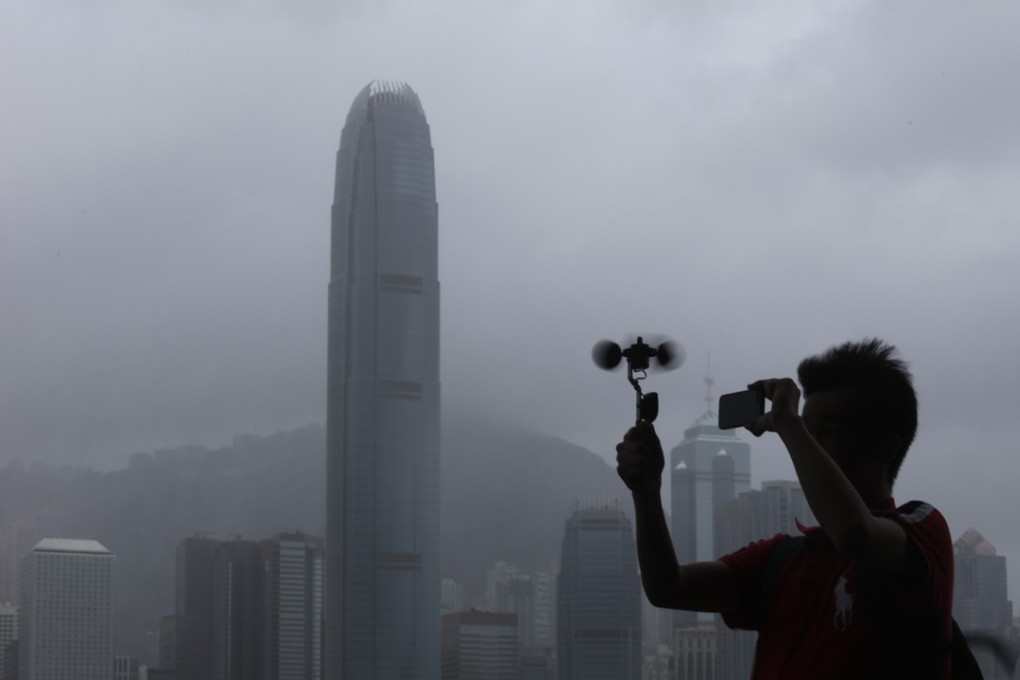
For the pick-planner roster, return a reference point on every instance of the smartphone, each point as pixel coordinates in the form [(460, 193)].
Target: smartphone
[(737, 409)]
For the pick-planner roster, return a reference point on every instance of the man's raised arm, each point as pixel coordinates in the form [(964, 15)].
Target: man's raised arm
[(702, 586)]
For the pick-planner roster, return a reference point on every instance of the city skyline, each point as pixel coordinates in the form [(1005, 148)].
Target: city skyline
[(173, 294), (777, 504), (382, 432)]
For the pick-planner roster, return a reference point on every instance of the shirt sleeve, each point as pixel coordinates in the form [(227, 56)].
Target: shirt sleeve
[(748, 568), (928, 533)]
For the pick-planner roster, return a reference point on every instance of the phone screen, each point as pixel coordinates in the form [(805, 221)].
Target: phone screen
[(737, 409)]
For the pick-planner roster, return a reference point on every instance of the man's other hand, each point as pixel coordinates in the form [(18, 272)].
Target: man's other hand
[(639, 459)]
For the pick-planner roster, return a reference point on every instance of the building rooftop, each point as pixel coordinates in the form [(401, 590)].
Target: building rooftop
[(972, 542), (384, 92), (70, 545)]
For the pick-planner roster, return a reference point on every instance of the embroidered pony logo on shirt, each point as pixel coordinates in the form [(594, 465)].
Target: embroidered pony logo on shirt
[(844, 605)]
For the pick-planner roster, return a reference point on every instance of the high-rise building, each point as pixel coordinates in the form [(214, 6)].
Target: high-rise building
[(248, 610), (509, 590), (125, 668), (295, 604), (451, 597), (382, 523), (545, 609), (65, 623), (707, 469), (477, 644), (753, 515), (166, 639), (8, 635), (599, 612), (498, 587), (980, 596), (220, 616)]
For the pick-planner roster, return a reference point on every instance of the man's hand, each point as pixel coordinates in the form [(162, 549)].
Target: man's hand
[(785, 397), (639, 459)]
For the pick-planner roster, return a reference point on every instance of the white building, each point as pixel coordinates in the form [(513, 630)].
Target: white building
[(65, 628)]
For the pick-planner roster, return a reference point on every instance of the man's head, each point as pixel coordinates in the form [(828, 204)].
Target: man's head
[(860, 397)]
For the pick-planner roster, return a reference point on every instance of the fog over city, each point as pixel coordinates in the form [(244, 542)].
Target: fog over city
[(757, 180)]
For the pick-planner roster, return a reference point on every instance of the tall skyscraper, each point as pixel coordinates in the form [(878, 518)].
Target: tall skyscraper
[(382, 524), (294, 606), (707, 469), (65, 625), (599, 629)]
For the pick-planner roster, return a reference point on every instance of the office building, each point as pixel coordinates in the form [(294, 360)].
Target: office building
[(65, 622), (545, 609), (125, 668), (247, 610), (166, 639), (382, 523), (980, 596), (451, 598), (599, 609), (219, 616), (295, 606), (477, 644)]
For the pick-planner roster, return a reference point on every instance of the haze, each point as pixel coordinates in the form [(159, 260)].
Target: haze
[(759, 181)]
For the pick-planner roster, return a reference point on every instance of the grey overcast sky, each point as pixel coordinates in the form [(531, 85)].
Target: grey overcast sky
[(757, 179)]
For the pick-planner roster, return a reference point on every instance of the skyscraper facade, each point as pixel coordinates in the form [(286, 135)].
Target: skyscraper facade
[(247, 610), (382, 524), (599, 628), (479, 644), (219, 611), (294, 606), (65, 625)]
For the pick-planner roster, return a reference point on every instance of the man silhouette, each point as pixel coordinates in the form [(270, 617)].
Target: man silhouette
[(868, 593)]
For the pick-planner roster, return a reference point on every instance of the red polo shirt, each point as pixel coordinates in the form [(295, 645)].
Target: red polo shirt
[(813, 623)]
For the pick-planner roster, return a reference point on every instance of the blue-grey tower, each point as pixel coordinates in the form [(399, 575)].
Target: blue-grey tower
[(599, 595), (382, 525)]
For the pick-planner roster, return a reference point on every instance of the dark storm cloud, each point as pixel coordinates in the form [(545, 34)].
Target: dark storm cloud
[(758, 182)]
